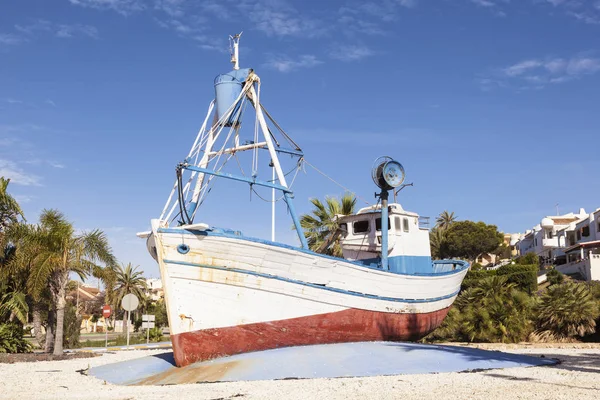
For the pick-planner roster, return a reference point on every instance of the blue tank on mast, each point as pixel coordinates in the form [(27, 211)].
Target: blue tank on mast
[(228, 88)]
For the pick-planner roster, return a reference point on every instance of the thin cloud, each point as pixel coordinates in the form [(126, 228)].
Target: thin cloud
[(12, 101), (539, 73), (123, 7), (351, 52), (584, 11), (9, 39), (278, 18), (50, 102), (40, 27), (68, 31), (287, 64), (17, 175), (21, 198)]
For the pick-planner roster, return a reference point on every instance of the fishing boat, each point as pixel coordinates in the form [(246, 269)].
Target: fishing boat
[(227, 293)]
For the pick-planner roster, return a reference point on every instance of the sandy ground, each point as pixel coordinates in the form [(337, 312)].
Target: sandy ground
[(577, 377)]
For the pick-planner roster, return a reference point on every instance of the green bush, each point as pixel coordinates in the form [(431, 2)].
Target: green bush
[(476, 266), (72, 328), (492, 310), (566, 311), (523, 276), (156, 334), (12, 340), (474, 276), (528, 259), (554, 277)]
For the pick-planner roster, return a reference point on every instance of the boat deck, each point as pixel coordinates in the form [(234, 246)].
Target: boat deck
[(361, 359)]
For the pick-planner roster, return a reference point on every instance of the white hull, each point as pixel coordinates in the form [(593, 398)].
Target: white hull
[(225, 281)]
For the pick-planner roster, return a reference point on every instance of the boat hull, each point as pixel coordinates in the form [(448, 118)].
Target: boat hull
[(227, 294), (350, 325)]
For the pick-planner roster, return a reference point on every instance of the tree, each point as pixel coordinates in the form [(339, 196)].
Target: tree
[(445, 220), (437, 236), (468, 239), (322, 222), (128, 280), (10, 211), (62, 251), (566, 311)]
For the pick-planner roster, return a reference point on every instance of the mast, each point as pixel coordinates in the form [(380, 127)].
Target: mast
[(235, 56), (218, 142)]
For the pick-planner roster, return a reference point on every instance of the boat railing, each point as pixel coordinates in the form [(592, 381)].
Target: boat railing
[(424, 222)]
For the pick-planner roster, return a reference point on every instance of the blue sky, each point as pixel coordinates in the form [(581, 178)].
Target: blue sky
[(491, 105)]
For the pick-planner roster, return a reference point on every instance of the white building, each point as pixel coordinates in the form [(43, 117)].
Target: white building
[(154, 289), (548, 238), (571, 242)]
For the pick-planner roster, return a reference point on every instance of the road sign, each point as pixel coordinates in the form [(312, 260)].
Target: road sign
[(148, 318), (106, 311), (130, 302), (147, 325)]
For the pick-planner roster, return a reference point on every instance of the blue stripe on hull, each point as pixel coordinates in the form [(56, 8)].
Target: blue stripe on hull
[(313, 285)]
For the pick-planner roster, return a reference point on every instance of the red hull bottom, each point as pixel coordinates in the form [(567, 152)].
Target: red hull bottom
[(339, 327)]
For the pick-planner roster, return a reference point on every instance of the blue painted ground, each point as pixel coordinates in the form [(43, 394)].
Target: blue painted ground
[(321, 361)]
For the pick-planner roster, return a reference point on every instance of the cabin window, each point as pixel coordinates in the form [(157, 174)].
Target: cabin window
[(549, 234), (361, 226), (405, 224), (398, 223), (344, 228), (585, 231), (578, 235), (378, 224)]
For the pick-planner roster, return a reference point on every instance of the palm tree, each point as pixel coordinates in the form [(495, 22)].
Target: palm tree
[(10, 211), (492, 310), (565, 311), (128, 280), (437, 237), (60, 252), (323, 222), (445, 219)]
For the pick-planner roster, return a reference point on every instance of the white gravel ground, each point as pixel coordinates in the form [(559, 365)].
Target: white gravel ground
[(577, 377)]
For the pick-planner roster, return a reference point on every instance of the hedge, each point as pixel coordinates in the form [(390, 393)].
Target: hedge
[(523, 276)]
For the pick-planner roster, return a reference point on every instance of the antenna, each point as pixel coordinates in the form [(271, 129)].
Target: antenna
[(234, 42)]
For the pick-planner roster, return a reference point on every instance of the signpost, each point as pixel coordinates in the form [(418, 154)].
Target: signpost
[(148, 323), (106, 313), (129, 303)]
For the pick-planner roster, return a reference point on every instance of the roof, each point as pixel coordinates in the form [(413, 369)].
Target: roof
[(584, 245)]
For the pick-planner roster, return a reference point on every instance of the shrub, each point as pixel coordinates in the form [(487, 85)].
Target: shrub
[(476, 267), (12, 340), (156, 334), (566, 311), (491, 310), (72, 328), (528, 259), (554, 277), (523, 276)]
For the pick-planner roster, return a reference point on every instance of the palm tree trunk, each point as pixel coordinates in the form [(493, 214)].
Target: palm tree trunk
[(49, 345), (37, 323), (61, 302)]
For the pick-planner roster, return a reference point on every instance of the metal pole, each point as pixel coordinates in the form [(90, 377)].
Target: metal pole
[(273, 206), (147, 332), (384, 230), (128, 317), (106, 332)]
